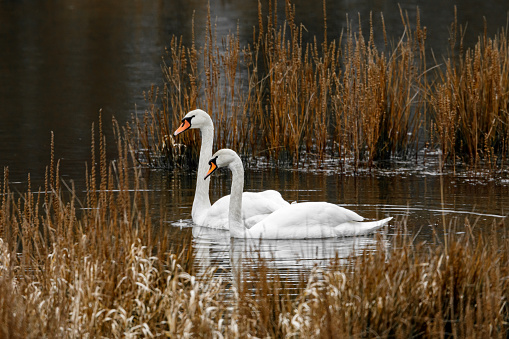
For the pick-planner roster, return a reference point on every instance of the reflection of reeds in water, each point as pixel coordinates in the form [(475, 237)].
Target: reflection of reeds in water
[(348, 98)]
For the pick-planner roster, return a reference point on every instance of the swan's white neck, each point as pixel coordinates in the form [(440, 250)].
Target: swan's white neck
[(236, 225), (201, 201)]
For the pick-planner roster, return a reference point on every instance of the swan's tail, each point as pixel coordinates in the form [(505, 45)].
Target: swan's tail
[(353, 228)]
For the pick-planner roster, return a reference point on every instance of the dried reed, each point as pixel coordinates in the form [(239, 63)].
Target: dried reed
[(100, 268), (412, 291), (95, 268), (348, 99), (471, 102)]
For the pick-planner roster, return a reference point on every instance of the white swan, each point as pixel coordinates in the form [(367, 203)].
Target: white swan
[(295, 221), (256, 205)]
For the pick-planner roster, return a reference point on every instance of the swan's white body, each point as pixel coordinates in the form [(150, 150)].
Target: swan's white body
[(295, 221), (256, 205)]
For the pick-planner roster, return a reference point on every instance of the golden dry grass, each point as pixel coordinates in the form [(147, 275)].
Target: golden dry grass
[(98, 266), (101, 268), (346, 99), (471, 102)]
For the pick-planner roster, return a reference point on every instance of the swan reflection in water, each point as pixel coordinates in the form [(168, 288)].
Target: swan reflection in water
[(289, 257)]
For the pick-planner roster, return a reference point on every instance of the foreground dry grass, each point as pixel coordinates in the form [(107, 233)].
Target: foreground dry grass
[(350, 99), (102, 269)]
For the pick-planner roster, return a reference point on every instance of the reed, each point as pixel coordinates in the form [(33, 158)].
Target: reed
[(379, 104), (471, 102), (96, 266), (286, 100), (349, 99), (411, 291)]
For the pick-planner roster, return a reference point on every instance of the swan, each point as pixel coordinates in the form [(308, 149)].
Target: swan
[(294, 221), (256, 205)]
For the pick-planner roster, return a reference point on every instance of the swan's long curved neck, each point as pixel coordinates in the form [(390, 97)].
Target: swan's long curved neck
[(236, 225), (201, 197)]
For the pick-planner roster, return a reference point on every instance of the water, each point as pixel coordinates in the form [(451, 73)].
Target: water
[(63, 61), (412, 198)]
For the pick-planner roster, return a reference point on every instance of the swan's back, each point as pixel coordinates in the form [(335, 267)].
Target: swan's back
[(305, 220), (305, 214), (265, 202)]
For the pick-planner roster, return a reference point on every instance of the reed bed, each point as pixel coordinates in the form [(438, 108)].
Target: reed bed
[(471, 102), (101, 268), (93, 265), (351, 99), (452, 289)]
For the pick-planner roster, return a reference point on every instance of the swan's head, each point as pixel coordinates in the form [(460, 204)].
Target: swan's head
[(222, 158), (195, 119)]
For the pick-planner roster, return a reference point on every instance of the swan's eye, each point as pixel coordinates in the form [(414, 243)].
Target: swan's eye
[(188, 119), (212, 161)]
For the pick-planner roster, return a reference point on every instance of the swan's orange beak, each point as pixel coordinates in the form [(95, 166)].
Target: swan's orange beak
[(185, 125), (212, 168)]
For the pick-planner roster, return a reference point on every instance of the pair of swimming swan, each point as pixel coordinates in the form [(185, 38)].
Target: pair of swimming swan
[(264, 214), (255, 206)]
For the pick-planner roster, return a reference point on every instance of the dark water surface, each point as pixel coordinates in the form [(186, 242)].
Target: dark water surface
[(63, 61), (412, 198)]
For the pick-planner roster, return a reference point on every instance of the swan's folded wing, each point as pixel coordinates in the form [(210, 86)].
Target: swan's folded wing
[(273, 198), (307, 214), (250, 222), (261, 203), (304, 220)]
